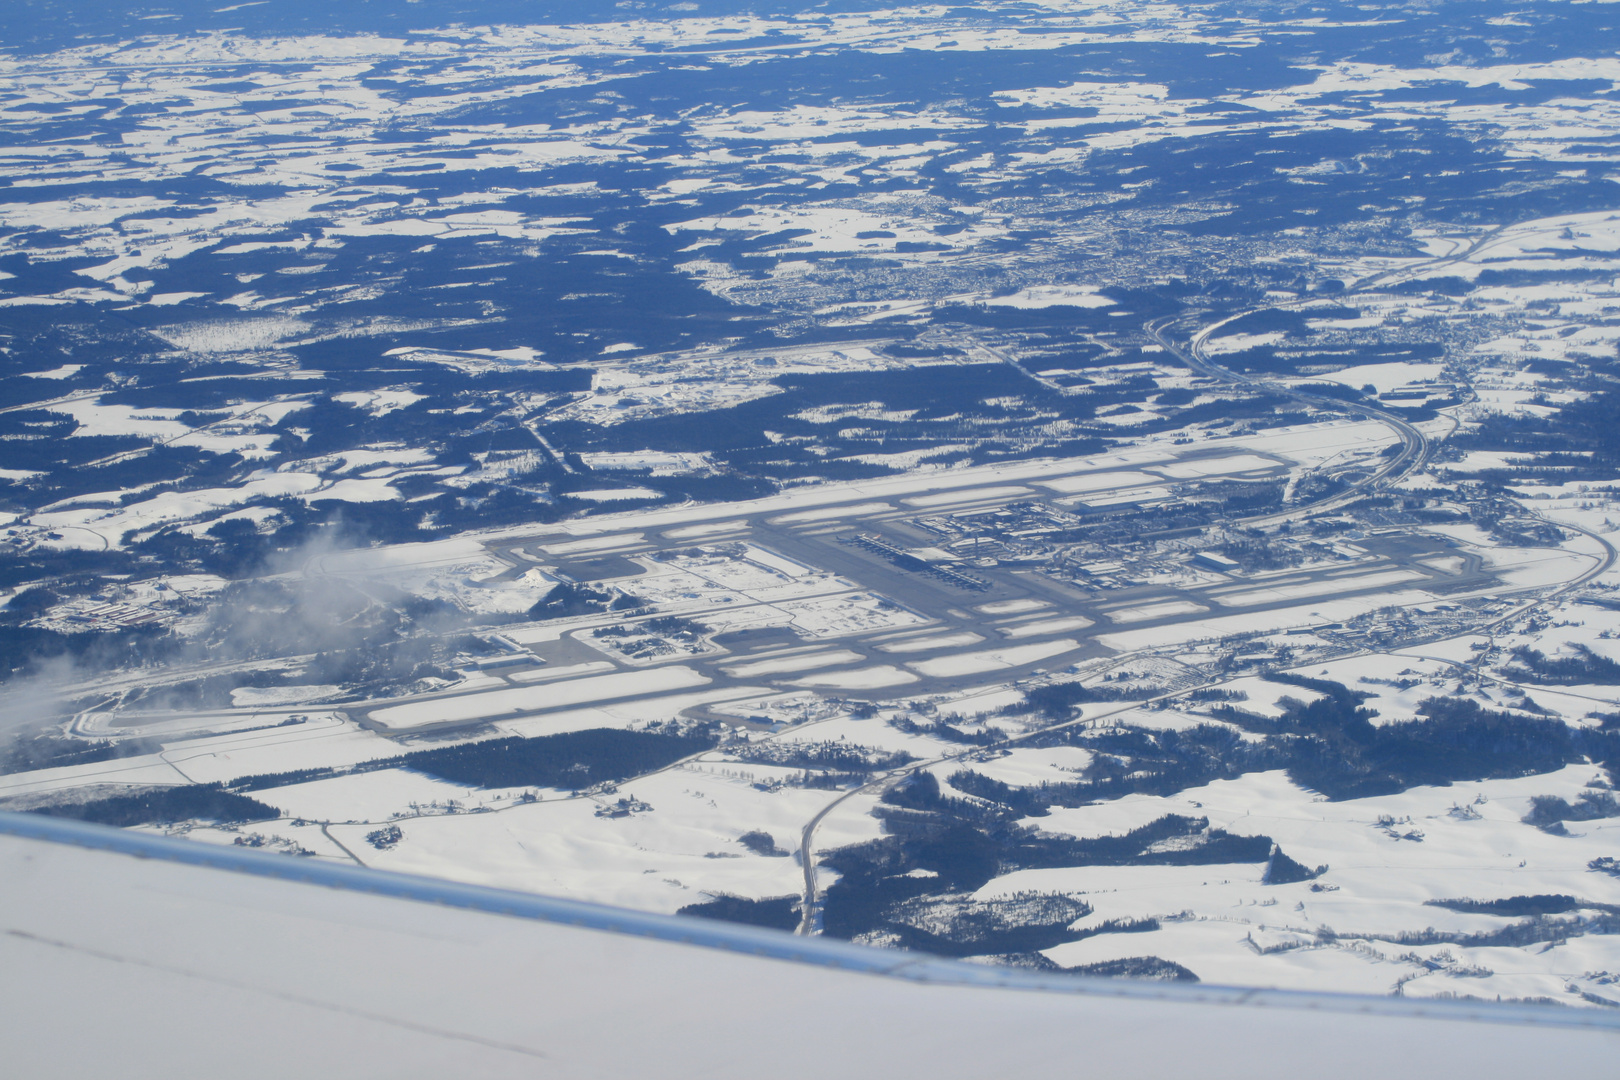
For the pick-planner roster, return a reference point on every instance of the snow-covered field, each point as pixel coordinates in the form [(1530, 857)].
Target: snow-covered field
[(1341, 931), (531, 699), (327, 263), (973, 663)]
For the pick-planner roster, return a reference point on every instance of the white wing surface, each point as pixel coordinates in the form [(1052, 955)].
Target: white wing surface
[(137, 956)]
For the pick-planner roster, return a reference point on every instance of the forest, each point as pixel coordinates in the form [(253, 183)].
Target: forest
[(188, 802), (944, 840), (568, 761)]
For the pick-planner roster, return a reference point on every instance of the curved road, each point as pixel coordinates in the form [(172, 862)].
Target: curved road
[(1414, 454), (809, 903)]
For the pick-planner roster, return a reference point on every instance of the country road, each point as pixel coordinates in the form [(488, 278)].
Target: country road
[(1416, 449)]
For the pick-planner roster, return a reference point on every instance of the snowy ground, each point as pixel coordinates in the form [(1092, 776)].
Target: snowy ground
[(1458, 842)]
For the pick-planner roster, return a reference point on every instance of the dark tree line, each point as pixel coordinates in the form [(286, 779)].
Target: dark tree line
[(573, 760), (208, 802), (1586, 666), (777, 912), (568, 761)]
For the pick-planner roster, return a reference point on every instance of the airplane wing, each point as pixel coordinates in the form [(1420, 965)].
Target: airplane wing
[(136, 955)]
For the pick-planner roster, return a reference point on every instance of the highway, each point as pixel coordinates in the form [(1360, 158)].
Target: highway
[(809, 922), (1413, 456), (1415, 446), (820, 540)]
